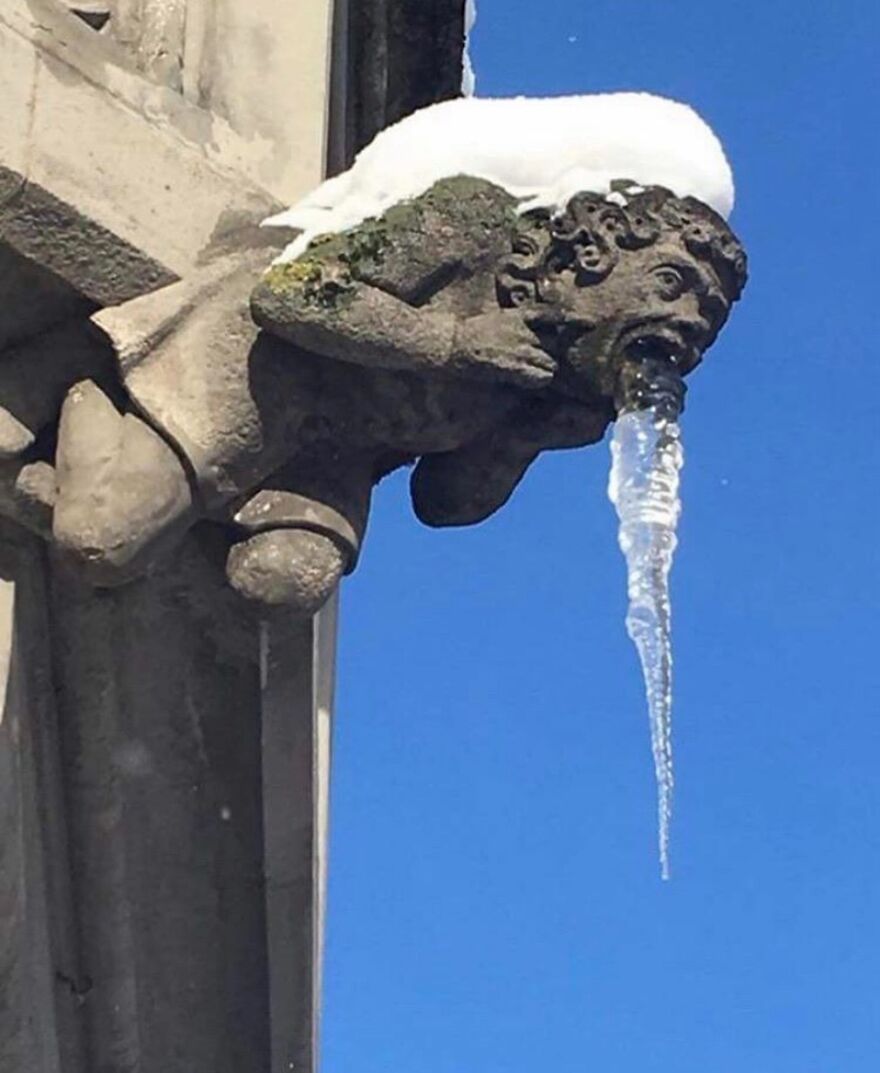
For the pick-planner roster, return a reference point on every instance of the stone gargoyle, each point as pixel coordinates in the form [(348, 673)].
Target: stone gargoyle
[(451, 333)]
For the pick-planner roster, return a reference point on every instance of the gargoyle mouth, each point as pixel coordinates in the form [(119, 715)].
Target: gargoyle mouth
[(652, 359), (665, 342)]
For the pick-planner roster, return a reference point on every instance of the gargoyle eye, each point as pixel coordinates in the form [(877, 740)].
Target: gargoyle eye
[(670, 282)]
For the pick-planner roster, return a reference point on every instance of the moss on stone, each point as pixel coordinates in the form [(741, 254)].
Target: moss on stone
[(324, 273), (311, 281), (293, 275), (475, 202), (367, 243)]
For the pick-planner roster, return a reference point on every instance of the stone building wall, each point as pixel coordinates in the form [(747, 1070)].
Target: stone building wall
[(163, 747)]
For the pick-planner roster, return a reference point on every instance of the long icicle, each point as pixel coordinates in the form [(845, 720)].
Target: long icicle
[(647, 457)]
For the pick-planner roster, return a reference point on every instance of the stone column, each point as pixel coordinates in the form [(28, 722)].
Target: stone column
[(164, 745), (163, 752)]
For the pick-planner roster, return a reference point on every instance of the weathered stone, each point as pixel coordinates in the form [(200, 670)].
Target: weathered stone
[(33, 299), (164, 747), (282, 54), (36, 375), (272, 508), (466, 486), (80, 193), (451, 330), (298, 568), (121, 489), (27, 495)]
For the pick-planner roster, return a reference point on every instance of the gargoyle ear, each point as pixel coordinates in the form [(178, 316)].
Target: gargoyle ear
[(517, 273)]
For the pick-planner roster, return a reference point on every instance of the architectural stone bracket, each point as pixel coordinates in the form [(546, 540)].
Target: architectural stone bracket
[(452, 332)]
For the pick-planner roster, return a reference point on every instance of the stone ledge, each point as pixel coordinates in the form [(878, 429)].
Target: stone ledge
[(110, 182)]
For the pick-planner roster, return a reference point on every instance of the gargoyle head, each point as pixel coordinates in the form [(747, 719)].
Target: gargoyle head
[(626, 291)]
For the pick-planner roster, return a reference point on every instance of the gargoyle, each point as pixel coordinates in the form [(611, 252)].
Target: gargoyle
[(452, 332)]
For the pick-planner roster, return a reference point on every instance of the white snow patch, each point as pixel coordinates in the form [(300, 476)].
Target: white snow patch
[(468, 75), (542, 150)]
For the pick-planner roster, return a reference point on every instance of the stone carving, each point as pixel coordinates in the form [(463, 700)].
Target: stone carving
[(452, 333)]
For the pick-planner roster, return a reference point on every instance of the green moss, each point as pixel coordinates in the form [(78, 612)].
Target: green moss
[(325, 272), (295, 275), (311, 281), (331, 259), (366, 243)]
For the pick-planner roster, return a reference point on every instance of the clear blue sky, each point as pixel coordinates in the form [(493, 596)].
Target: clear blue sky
[(495, 901)]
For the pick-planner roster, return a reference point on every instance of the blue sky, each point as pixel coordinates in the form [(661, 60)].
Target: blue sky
[(495, 901)]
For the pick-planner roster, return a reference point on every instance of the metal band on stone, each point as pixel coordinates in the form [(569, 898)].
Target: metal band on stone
[(273, 509)]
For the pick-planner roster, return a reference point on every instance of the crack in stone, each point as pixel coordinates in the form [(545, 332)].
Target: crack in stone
[(78, 988)]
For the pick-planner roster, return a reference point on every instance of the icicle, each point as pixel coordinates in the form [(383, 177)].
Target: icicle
[(646, 457), (468, 74)]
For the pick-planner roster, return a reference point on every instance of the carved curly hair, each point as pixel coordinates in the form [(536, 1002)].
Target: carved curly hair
[(588, 236)]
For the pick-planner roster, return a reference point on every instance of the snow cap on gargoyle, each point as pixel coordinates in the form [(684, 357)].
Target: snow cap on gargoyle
[(541, 150)]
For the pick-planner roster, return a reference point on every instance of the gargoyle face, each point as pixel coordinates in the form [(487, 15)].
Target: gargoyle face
[(626, 296), (653, 316)]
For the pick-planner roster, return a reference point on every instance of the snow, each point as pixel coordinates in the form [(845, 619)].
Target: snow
[(542, 150), (468, 75)]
